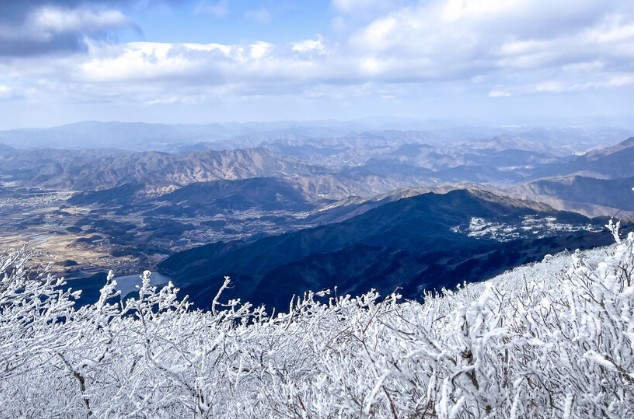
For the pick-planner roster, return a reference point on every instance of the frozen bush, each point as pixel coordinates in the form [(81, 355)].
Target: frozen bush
[(555, 339)]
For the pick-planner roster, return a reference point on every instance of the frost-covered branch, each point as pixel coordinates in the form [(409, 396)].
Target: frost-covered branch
[(551, 340)]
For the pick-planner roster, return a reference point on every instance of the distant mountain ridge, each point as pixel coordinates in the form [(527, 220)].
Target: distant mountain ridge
[(610, 162), (597, 182), (584, 194), (102, 169), (364, 164)]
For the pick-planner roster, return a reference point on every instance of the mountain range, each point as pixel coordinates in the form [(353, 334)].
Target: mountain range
[(583, 194), (324, 170), (83, 170), (595, 183), (293, 212)]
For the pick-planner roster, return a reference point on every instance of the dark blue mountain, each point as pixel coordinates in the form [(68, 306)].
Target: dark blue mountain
[(413, 244)]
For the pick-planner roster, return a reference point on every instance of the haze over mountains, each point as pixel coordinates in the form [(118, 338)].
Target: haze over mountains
[(346, 163), (164, 137)]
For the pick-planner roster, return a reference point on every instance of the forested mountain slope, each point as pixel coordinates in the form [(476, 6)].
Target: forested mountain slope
[(427, 241)]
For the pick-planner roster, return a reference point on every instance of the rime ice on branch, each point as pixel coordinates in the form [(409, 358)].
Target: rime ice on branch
[(555, 339)]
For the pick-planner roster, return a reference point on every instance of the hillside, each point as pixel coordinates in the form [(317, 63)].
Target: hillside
[(610, 162), (101, 169), (222, 196), (423, 242), (584, 194)]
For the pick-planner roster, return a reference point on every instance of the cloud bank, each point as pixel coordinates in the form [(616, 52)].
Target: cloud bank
[(491, 49)]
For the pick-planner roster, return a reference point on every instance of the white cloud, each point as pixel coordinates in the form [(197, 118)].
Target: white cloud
[(512, 41), (371, 65), (260, 50), (225, 49), (381, 32), (133, 64), (495, 49), (141, 61), (612, 30), (462, 10), (309, 45)]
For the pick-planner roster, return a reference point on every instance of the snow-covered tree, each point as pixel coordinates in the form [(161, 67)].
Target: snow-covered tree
[(553, 339)]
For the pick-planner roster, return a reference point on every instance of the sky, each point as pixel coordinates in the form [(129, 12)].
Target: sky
[(202, 61)]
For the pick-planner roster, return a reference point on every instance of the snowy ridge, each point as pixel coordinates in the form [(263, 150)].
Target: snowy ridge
[(552, 267), (553, 339)]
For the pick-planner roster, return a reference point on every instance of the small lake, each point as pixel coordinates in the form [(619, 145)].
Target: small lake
[(127, 284)]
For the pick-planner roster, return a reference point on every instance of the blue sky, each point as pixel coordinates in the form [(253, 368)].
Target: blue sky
[(485, 61)]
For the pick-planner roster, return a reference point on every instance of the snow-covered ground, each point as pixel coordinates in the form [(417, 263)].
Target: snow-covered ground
[(529, 226), (551, 339)]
